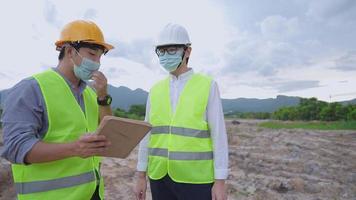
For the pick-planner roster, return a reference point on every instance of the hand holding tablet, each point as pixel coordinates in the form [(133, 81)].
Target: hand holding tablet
[(124, 135)]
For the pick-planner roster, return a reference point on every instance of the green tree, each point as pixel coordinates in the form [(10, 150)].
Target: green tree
[(352, 114), (293, 113), (283, 113), (309, 109), (341, 112), (134, 116), (120, 113), (313, 109), (135, 112), (330, 112), (139, 110)]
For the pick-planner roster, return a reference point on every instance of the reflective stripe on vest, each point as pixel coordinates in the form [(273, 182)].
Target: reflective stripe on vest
[(181, 131), (43, 186), (176, 155)]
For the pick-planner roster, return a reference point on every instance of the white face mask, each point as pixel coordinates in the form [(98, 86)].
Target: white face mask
[(86, 68), (171, 62)]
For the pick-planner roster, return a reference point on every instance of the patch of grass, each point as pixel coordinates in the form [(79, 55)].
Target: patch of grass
[(338, 125)]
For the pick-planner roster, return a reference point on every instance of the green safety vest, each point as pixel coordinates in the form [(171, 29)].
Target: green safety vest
[(72, 178), (180, 142)]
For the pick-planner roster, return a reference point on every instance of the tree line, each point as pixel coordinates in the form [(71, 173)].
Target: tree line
[(308, 109), (135, 112), (313, 109)]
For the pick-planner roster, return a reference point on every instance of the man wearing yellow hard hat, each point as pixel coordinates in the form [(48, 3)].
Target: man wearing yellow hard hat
[(49, 119), (185, 156)]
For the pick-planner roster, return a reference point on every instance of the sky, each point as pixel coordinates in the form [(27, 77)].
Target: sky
[(252, 48)]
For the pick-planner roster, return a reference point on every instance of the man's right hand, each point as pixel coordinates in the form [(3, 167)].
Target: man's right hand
[(90, 145), (141, 186), (86, 146)]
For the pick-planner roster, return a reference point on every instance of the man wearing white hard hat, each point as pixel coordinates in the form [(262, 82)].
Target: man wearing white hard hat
[(185, 156)]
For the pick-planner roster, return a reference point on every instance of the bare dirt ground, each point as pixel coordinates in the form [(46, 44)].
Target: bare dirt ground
[(264, 164)]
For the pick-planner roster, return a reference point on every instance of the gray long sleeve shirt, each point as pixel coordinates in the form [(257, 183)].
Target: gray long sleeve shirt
[(25, 120)]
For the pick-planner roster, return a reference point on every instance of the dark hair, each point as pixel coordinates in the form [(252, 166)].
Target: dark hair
[(61, 53), (78, 45)]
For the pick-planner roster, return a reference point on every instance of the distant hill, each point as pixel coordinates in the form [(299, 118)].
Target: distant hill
[(258, 105), (124, 97), (353, 101)]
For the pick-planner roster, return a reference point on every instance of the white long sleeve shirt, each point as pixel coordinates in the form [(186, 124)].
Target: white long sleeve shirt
[(214, 116)]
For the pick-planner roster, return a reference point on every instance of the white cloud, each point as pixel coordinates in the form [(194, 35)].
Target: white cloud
[(124, 72), (37, 27), (277, 27), (291, 42), (326, 10), (50, 14), (90, 14), (346, 62)]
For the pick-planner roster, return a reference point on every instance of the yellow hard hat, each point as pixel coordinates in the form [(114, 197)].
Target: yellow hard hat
[(82, 31)]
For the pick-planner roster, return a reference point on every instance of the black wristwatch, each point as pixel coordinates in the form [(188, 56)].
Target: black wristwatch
[(104, 101)]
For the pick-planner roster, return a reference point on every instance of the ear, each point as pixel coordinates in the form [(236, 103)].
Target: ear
[(69, 51), (187, 52)]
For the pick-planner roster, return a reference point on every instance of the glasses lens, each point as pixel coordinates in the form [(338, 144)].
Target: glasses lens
[(172, 50), (159, 52)]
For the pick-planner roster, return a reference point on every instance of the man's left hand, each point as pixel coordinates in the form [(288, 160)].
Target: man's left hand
[(218, 191), (100, 84)]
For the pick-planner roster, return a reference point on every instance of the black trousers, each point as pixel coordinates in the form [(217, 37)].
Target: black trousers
[(96, 194), (167, 189)]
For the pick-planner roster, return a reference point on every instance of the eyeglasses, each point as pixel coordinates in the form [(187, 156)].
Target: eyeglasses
[(95, 47), (171, 50)]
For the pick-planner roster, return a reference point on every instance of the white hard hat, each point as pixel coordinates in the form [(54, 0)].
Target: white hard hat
[(173, 34)]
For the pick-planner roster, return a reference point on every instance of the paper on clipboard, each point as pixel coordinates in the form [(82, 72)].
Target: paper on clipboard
[(124, 135)]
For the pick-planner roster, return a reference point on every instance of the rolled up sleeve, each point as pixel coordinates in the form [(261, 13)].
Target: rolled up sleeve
[(22, 120)]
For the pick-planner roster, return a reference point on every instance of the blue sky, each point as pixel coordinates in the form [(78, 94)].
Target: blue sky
[(253, 49)]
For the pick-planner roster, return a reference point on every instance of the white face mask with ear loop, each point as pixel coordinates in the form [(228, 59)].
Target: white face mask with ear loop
[(171, 62), (86, 68)]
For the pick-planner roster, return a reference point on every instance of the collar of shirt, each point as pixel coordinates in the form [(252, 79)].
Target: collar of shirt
[(80, 88), (176, 86), (183, 77)]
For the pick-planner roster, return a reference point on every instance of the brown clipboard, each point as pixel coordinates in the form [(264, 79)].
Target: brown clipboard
[(124, 135)]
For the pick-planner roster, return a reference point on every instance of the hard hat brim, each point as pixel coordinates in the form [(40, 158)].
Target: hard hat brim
[(172, 44)]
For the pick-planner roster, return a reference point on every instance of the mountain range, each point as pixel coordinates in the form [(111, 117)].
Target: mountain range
[(124, 97)]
